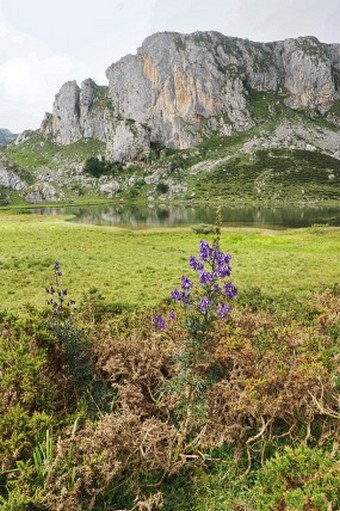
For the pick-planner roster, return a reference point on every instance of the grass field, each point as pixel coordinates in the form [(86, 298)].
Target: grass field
[(139, 268)]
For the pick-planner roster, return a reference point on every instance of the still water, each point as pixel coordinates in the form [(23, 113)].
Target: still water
[(138, 217)]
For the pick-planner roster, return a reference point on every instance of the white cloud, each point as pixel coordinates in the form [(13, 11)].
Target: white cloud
[(3, 30), (29, 77)]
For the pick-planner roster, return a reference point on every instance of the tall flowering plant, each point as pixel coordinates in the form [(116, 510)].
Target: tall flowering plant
[(214, 290), (206, 299)]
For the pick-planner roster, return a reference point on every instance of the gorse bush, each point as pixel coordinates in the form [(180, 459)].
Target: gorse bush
[(210, 402), (298, 479)]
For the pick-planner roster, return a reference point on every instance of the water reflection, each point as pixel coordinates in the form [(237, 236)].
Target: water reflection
[(137, 216)]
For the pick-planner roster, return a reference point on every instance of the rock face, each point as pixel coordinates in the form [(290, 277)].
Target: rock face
[(308, 74), (130, 142), (179, 88), (9, 176)]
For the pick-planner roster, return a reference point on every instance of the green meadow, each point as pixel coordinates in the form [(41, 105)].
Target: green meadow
[(139, 268)]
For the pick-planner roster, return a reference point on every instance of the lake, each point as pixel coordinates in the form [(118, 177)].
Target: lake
[(142, 216)]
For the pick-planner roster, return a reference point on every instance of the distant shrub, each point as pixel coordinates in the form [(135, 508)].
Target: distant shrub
[(162, 188), (96, 167), (203, 229)]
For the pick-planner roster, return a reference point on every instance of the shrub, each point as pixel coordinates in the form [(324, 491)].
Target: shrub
[(96, 168), (162, 188), (299, 479), (203, 229)]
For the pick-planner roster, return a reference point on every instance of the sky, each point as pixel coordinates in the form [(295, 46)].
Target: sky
[(44, 43)]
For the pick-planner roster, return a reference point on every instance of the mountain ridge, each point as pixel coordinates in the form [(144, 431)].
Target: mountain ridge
[(178, 88), (176, 92)]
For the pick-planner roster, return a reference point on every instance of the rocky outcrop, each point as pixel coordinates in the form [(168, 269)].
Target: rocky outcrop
[(130, 141), (9, 175), (296, 136), (43, 192), (65, 118), (181, 87), (308, 74)]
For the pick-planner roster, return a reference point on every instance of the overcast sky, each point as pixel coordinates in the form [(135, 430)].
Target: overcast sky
[(44, 43)]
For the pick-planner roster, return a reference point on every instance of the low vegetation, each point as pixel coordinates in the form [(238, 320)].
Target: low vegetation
[(37, 152), (218, 397)]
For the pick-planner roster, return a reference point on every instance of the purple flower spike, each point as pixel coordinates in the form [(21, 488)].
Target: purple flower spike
[(204, 305), (204, 250), (186, 283), (195, 264), (230, 290), (159, 323), (172, 315), (224, 311)]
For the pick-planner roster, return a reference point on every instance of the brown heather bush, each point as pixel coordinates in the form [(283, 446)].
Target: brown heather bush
[(137, 368), (279, 380), (117, 448)]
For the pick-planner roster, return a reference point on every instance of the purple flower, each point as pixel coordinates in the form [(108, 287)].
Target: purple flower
[(224, 311), (195, 264), (204, 250), (177, 295), (223, 258), (205, 278), (186, 283), (227, 258), (50, 290), (213, 254), (204, 304), (230, 290), (223, 270), (180, 296), (57, 268), (172, 315), (186, 299), (159, 323), (216, 288)]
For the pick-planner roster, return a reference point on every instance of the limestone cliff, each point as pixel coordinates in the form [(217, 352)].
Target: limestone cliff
[(10, 175), (179, 88)]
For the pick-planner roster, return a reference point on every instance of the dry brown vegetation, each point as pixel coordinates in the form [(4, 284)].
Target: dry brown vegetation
[(109, 390)]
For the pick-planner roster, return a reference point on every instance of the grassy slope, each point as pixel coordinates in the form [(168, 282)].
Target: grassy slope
[(38, 152), (140, 268), (278, 175), (281, 174)]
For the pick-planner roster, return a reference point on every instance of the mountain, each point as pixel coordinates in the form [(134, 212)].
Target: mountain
[(6, 136), (180, 88), (162, 106)]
